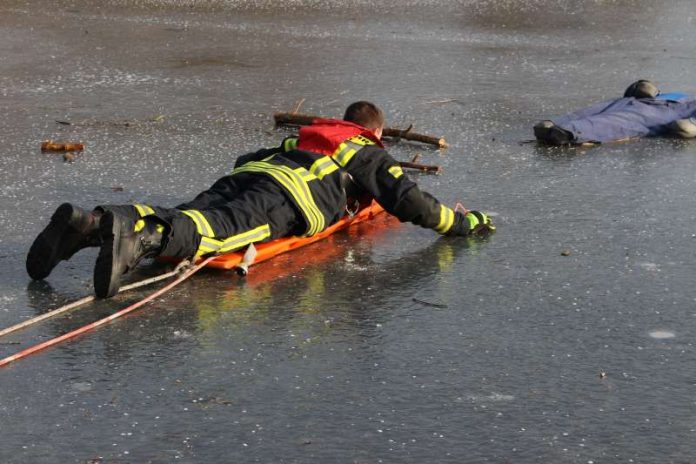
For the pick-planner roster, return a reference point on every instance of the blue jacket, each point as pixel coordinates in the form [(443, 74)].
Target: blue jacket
[(630, 117)]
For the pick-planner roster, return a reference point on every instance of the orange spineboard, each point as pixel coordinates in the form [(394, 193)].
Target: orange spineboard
[(266, 251)]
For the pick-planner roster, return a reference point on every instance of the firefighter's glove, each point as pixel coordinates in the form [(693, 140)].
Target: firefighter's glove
[(480, 224), (472, 224)]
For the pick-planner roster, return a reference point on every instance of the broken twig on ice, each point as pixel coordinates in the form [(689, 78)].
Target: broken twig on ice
[(421, 167), (50, 145), (294, 119)]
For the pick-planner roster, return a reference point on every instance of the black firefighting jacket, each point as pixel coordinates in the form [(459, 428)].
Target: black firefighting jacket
[(316, 184)]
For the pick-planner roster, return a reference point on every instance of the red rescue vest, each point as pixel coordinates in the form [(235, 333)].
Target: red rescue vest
[(325, 135)]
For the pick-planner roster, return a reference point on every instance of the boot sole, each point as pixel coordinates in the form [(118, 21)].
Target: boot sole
[(44, 254), (105, 285)]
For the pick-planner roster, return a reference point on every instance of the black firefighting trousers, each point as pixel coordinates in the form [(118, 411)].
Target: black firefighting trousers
[(236, 211)]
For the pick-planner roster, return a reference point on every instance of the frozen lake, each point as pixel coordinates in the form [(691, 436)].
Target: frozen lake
[(565, 338)]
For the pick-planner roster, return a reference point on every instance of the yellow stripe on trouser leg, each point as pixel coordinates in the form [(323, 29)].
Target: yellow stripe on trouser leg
[(240, 240), (446, 220), (140, 223), (207, 246), (210, 245), (144, 210)]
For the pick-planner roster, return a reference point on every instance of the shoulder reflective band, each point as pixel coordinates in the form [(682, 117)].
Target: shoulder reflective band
[(144, 210), (362, 141), (296, 186), (446, 220), (202, 225), (290, 144), (396, 171), (323, 167), (345, 151)]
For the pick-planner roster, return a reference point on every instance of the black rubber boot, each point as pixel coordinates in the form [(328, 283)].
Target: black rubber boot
[(558, 136), (541, 129), (71, 229), (548, 132), (124, 244)]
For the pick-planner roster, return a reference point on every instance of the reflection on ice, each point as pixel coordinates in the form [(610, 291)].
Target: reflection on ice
[(661, 334)]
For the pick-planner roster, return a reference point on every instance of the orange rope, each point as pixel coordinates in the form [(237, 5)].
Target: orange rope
[(89, 299), (116, 315)]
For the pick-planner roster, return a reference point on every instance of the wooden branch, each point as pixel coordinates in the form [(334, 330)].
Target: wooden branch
[(293, 119), (50, 145), (421, 167)]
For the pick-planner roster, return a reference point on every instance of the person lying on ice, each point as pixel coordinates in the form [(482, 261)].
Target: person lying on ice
[(299, 188), (642, 112)]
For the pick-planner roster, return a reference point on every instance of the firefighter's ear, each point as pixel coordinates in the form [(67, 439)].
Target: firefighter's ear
[(378, 132)]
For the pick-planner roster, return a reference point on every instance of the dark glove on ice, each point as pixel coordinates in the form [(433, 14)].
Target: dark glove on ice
[(473, 223)]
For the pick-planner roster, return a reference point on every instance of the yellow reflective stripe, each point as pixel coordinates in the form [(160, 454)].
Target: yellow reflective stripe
[(344, 154), (345, 151), (144, 210), (288, 185), (446, 219), (396, 171), (140, 224), (360, 140), (290, 144), (304, 174), (238, 241), (202, 225), (308, 198), (296, 186), (323, 167), (473, 220), (208, 245)]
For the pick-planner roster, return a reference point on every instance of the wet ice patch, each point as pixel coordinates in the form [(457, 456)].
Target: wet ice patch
[(82, 386), (493, 397), (652, 267), (662, 334), (97, 80), (6, 301), (181, 334)]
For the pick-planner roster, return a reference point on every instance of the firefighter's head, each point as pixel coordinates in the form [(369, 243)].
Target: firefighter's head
[(366, 114)]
